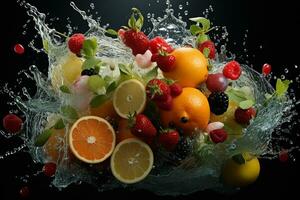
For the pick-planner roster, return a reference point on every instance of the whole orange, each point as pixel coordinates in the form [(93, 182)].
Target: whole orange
[(124, 131), (190, 110), (190, 67)]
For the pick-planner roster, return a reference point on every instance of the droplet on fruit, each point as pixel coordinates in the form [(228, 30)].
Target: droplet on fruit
[(19, 49)]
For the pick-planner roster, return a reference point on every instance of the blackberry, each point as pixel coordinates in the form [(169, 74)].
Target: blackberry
[(88, 72), (218, 102), (184, 148)]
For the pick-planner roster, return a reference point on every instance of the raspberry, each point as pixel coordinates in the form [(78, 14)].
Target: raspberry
[(218, 102), (218, 135), (75, 43), (232, 70), (12, 123)]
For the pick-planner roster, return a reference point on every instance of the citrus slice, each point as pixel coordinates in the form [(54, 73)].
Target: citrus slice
[(131, 161), (129, 97), (92, 139)]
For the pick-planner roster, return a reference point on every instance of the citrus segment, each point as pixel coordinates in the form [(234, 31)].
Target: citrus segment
[(129, 98), (131, 161), (92, 139)]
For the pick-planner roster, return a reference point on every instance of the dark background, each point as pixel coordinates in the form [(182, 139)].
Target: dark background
[(272, 24)]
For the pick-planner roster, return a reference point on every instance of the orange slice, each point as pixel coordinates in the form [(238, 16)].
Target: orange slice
[(131, 161), (92, 139)]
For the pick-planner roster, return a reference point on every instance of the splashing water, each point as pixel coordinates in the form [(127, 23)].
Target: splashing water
[(40, 110)]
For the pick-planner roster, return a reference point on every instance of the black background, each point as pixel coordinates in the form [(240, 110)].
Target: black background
[(272, 24)]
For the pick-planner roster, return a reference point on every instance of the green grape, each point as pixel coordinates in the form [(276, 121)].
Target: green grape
[(95, 83)]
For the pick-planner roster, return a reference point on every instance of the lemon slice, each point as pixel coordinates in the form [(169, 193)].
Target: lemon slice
[(131, 161), (129, 97)]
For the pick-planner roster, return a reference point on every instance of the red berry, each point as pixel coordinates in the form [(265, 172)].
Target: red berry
[(266, 69), (19, 49), (169, 139), (218, 135), (244, 116), (166, 104), (166, 63), (283, 155), (75, 43), (137, 41), (232, 70), (157, 90), (12, 123), (24, 192), (175, 89), (211, 46), (216, 82), (143, 127), (49, 169), (158, 43), (154, 57)]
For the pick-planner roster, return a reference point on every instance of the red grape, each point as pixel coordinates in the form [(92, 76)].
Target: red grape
[(216, 82)]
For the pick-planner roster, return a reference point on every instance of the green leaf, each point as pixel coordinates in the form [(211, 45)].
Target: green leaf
[(91, 62), (239, 159), (112, 32), (42, 138), (268, 96), (205, 23), (246, 104), (132, 22), (111, 87), (202, 38), (98, 100), (59, 124), (125, 69), (240, 94), (194, 29), (90, 47), (46, 45), (206, 52), (69, 112), (151, 74), (65, 89), (282, 87)]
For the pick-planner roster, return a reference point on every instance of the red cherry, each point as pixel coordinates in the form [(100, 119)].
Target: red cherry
[(283, 155), (266, 69), (49, 169), (24, 192), (232, 70), (19, 49), (12, 123)]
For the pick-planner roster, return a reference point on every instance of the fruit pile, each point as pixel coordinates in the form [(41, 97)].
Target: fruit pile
[(166, 108)]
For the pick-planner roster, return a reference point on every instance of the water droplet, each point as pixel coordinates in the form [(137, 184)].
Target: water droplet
[(286, 70), (296, 66), (149, 15), (180, 7), (186, 12), (92, 5)]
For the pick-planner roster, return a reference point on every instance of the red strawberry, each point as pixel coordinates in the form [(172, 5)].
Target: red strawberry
[(165, 62), (218, 135), (157, 90), (244, 116), (12, 123), (142, 127), (49, 169), (175, 89), (169, 139), (137, 41), (75, 43), (166, 104), (232, 70), (266, 69), (211, 46), (133, 37), (158, 43)]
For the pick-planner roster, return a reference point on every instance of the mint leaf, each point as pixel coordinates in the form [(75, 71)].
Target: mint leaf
[(98, 100), (59, 124), (65, 89), (239, 159), (90, 47), (91, 62), (111, 87), (42, 138), (240, 94), (282, 87), (125, 69), (69, 112), (112, 32), (205, 23), (246, 104), (151, 74), (206, 52), (202, 38), (195, 30)]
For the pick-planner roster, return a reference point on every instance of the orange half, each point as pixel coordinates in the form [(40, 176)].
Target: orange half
[(92, 139)]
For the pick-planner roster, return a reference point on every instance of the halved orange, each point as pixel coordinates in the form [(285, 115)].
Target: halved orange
[(131, 161), (92, 139)]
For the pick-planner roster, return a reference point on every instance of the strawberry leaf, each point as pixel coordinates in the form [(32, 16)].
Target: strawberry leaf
[(206, 52), (42, 138), (195, 30), (205, 23), (98, 100)]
